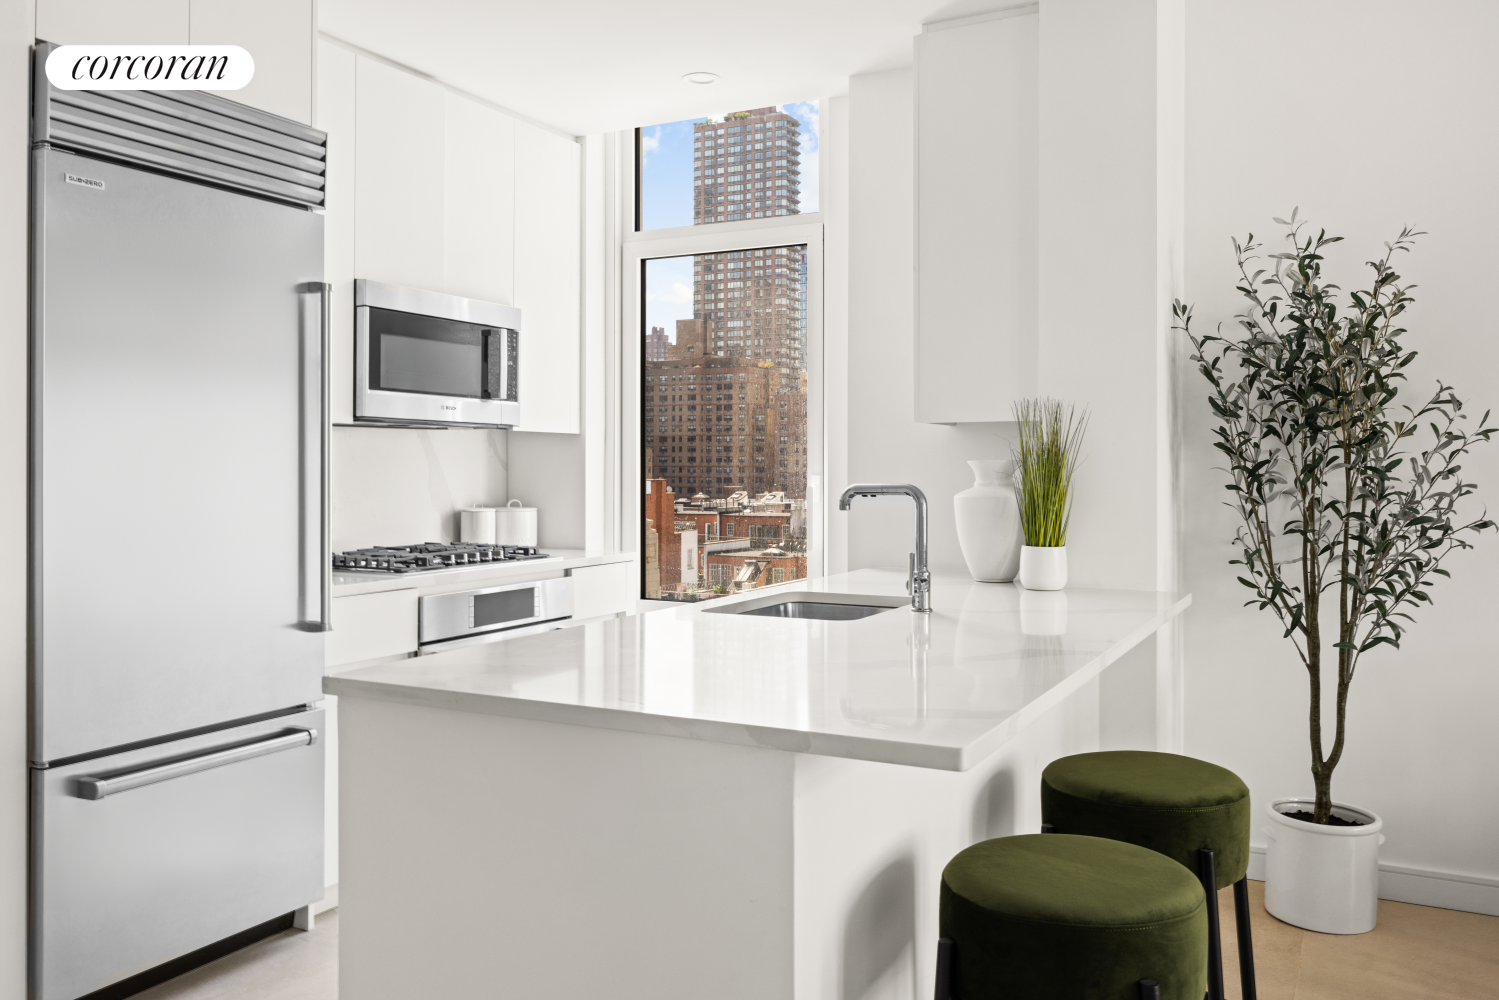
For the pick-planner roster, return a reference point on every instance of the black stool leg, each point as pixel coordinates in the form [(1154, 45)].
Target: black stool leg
[(1150, 990), (944, 969), (1207, 871), (1246, 945)]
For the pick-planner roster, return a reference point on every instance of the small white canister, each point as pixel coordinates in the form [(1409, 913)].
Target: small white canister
[(515, 524), (476, 525)]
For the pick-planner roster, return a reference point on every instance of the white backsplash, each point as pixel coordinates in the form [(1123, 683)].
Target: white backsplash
[(392, 486)]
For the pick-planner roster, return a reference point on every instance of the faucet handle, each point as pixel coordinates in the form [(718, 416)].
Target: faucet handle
[(911, 573)]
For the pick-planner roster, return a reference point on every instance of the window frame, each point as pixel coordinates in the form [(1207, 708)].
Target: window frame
[(638, 246)]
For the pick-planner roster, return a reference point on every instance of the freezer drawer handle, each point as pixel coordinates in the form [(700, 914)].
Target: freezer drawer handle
[(98, 788)]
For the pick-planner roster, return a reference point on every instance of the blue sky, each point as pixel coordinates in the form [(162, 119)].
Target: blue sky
[(666, 201)]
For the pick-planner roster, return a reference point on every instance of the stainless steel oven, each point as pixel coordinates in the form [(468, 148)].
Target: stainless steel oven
[(425, 358), (493, 612)]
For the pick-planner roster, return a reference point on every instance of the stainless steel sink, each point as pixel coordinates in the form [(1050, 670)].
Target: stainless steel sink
[(806, 604), (811, 609)]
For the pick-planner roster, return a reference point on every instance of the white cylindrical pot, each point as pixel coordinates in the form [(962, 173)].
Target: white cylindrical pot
[(1043, 567), (989, 522), (514, 524), (476, 524), (1323, 878)]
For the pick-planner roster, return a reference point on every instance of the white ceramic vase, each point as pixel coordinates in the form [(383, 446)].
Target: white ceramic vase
[(989, 522), (1043, 567), (1323, 878)]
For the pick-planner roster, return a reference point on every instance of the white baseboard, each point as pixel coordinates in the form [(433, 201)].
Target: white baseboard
[(1428, 887), (329, 900)]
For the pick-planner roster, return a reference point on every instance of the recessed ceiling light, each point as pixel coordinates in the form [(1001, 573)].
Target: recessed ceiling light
[(701, 78)]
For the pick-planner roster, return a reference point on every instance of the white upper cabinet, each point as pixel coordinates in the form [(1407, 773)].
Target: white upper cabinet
[(113, 22), (977, 234), (278, 34), (548, 193), (434, 190), (479, 226), (398, 187)]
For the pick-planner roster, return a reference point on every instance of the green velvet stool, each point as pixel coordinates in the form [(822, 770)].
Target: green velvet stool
[(1187, 809), (1071, 918)]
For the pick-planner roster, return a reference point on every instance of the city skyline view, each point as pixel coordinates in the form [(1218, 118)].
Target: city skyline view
[(667, 195), (724, 384)]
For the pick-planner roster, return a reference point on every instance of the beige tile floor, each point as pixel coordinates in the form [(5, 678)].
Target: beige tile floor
[(1416, 953)]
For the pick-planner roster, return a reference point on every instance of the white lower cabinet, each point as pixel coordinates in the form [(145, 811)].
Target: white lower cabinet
[(603, 590), (370, 626)]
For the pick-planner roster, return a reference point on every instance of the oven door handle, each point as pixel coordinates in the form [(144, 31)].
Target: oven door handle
[(317, 553), (98, 788)]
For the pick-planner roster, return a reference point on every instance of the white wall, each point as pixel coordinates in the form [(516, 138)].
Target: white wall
[(885, 444), (1400, 129), (391, 486), (16, 33)]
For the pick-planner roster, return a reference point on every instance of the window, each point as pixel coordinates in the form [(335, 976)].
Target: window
[(747, 379), (683, 167)]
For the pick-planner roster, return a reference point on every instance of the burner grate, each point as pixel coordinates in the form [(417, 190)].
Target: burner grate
[(430, 555)]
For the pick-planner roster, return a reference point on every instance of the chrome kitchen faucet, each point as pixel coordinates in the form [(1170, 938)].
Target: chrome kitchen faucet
[(920, 581)]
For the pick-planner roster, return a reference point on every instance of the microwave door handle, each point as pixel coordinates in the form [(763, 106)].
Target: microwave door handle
[(317, 556)]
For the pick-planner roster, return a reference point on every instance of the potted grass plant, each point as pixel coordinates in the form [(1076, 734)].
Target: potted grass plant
[(1347, 507), (1046, 452)]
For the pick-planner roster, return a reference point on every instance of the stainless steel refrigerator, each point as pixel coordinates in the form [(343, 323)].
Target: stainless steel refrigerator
[(179, 532)]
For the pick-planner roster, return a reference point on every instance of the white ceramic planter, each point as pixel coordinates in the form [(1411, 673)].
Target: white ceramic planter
[(1043, 568), (1323, 878), (988, 522)]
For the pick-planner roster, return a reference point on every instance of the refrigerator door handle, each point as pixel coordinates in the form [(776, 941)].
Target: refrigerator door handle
[(317, 552), (98, 788)]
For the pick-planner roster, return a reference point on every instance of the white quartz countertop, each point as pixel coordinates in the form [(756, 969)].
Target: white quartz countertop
[(348, 583), (940, 690)]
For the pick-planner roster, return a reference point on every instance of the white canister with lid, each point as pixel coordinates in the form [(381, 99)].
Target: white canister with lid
[(515, 524), (476, 525)]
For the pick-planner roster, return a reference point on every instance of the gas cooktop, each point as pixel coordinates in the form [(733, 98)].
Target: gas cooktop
[(431, 555)]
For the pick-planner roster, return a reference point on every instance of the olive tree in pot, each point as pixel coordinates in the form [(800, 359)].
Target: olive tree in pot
[(1348, 507)]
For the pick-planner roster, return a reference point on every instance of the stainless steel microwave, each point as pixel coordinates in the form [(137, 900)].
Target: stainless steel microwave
[(429, 359)]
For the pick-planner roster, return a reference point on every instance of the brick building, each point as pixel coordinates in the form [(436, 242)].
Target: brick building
[(717, 546), (723, 425), (657, 346)]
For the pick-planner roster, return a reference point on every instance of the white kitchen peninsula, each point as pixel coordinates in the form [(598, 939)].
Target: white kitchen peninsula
[(691, 804)]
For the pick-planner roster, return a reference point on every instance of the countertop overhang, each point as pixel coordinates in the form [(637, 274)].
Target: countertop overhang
[(940, 690), (349, 583)]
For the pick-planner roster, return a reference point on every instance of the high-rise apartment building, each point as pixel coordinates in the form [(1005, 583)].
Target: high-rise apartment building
[(747, 166), (753, 302), (657, 344)]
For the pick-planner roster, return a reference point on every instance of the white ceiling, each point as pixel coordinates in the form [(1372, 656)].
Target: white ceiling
[(589, 66)]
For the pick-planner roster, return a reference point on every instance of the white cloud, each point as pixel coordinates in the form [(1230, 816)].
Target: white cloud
[(680, 294), (809, 114), (649, 144)]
